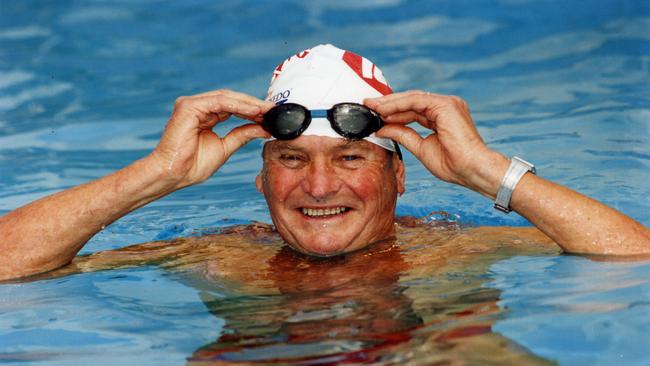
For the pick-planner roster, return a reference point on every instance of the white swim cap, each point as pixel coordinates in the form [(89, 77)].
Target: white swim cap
[(319, 77)]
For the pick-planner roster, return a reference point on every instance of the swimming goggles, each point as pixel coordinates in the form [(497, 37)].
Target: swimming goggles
[(350, 120)]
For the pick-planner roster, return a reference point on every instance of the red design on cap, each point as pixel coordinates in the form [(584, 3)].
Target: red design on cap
[(356, 64), (278, 70)]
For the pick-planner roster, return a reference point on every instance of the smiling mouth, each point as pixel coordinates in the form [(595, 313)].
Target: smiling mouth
[(324, 212)]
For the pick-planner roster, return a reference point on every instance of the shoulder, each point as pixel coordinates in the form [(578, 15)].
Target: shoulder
[(239, 254), (523, 240), (442, 248)]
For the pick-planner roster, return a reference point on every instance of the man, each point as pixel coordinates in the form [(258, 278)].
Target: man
[(326, 194)]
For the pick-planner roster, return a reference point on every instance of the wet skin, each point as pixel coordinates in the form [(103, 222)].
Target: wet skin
[(420, 295), (356, 182)]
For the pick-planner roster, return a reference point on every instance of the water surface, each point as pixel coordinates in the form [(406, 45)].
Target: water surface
[(87, 86)]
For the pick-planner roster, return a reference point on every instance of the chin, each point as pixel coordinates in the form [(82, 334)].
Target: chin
[(323, 247)]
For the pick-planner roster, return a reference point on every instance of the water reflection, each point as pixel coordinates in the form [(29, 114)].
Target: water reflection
[(351, 307), (420, 298)]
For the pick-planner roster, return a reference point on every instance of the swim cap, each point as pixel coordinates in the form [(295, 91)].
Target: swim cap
[(321, 76)]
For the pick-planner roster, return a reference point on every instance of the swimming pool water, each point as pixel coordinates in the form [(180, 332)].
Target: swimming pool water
[(86, 88)]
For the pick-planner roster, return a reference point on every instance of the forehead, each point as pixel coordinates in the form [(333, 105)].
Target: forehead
[(321, 144)]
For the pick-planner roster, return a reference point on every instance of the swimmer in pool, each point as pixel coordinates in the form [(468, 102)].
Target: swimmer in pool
[(331, 185)]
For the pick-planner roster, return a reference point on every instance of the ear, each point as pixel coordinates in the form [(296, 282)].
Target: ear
[(258, 182), (400, 173)]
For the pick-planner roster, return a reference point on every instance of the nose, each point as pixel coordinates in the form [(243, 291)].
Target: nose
[(321, 180)]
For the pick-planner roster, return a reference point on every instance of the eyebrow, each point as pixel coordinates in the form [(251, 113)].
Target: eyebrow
[(346, 144), (350, 144), (285, 145)]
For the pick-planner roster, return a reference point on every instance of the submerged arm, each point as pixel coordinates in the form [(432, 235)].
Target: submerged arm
[(47, 233), (238, 255), (455, 152)]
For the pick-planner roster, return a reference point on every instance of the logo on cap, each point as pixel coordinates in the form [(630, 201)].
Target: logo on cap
[(367, 71), (281, 97)]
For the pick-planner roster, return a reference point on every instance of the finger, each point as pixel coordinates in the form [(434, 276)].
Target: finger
[(392, 97), (221, 106), (237, 95), (374, 103), (213, 118), (240, 136), (401, 117), (256, 119), (264, 105), (404, 103), (428, 104), (409, 117), (404, 136), (222, 116), (424, 149)]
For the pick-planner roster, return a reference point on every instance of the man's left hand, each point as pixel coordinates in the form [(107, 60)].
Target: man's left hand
[(454, 150)]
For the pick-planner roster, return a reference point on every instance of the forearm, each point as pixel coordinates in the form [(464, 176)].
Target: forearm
[(48, 233), (578, 223), (455, 153)]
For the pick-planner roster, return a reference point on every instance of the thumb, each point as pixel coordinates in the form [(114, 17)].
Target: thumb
[(403, 135), (241, 135)]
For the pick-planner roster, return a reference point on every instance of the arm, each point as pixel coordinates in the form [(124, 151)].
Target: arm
[(455, 152), (48, 233)]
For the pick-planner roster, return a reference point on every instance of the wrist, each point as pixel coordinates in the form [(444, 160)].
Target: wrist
[(119, 193), (487, 174), (516, 170), (146, 180), (161, 172)]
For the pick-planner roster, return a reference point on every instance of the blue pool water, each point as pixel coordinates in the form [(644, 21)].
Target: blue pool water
[(86, 88)]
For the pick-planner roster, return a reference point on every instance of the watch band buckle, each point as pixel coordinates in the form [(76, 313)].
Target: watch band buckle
[(502, 208)]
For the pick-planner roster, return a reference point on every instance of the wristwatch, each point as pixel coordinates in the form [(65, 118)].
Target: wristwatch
[(518, 167)]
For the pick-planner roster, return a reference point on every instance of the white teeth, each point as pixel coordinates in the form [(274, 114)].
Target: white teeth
[(322, 212)]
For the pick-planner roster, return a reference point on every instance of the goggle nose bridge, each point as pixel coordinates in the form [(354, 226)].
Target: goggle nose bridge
[(318, 113)]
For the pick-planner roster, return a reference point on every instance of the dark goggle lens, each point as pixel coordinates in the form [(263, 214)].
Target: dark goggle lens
[(286, 121), (354, 120), (350, 120)]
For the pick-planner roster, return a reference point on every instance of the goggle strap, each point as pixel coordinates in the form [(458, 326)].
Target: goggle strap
[(318, 113)]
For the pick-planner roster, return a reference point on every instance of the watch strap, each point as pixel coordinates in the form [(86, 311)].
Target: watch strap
[(518, 167)]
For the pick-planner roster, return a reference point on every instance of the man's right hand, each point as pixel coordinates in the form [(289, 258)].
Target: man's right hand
[(48, 233), (189, 151)]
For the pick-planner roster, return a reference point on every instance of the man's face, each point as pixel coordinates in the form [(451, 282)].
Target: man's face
[(330, 195)]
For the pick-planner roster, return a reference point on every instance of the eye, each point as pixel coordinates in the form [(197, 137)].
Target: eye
[(350, 157), (292, 160), (352, 161), (290, 157)]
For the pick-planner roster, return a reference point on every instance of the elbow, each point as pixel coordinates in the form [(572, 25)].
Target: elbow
[(18, 269)]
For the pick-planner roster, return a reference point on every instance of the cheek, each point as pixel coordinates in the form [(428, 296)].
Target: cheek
[(365, 186), (279, 183), (373, 186)]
